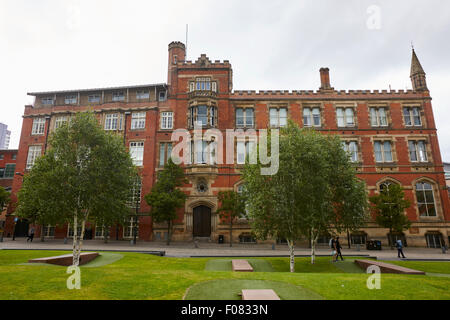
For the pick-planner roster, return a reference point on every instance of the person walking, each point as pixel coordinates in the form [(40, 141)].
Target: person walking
[(338, 250), (333, 249), (399, 246), (31, 235)]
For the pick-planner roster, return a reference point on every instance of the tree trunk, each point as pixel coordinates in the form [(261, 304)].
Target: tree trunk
[(291, 255), (313, 248), (42, 233), (76, 258), (169, 232), (348, 239), (231, 232)]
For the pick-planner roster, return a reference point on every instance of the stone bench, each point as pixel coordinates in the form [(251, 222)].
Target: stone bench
[(387, 267), (259, 295), (241, 266), (67, 259)]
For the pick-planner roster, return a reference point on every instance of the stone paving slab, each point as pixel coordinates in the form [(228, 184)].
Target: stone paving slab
[(259, 295), (241, 266)]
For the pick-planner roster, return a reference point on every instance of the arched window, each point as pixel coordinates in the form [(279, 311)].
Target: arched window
[(384, 186), (425, 199)]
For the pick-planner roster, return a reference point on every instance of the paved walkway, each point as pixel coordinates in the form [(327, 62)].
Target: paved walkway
[(187, 249)]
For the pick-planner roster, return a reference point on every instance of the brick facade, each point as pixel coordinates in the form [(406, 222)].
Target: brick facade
[(183, 94)]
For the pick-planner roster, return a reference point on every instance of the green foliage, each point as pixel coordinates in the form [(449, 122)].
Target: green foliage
[(314, 191), (4, 198), (86, 173), (389, 207), (232, 205), (166, 197)]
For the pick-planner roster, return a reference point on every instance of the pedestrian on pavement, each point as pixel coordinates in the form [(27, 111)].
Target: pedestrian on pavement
[(333, 248), (399, 246), (338, 250), (31, 235)]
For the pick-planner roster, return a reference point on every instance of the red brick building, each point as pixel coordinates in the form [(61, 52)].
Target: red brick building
[(7, 171), (391, 136)]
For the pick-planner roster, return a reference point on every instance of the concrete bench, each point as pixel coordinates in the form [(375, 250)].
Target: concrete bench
[(241, 266), (387, 267), (67, 259), (259, 295)]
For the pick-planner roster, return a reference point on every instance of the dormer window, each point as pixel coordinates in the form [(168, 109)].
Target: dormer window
[(118, 96), (70, 99), (47, 101)]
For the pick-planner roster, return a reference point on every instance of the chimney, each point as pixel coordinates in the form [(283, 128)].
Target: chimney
[(325, 79)]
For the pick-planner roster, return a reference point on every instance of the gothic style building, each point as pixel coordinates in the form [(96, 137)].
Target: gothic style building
[(391, 136)]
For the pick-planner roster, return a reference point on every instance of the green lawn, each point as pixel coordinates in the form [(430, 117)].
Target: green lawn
[(142, 276)]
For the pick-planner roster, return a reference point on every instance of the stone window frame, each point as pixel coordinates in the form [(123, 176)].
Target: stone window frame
[(137, 119), (28, 166), (192, 84), (436, 199), (166, 152), (346, 105), (278, 106), (378, 106), (311, 106), (358, 145), (412, 105), (138, 145), (120, 121), (244, 107), (393, 149), (57, 119), (427, 149), (211, 105)]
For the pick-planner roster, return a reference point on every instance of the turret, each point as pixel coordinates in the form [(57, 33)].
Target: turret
[(418, 78)]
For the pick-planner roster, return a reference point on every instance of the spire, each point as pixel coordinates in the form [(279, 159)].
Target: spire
[(416, 67), (418, 78)]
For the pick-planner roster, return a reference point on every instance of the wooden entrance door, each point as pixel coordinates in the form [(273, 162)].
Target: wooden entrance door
[(202, 221)]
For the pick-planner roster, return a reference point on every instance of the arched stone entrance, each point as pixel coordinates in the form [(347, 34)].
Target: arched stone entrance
[(202, 221)]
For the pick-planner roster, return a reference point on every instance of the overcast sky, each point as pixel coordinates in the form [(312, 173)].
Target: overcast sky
[(50, 45)]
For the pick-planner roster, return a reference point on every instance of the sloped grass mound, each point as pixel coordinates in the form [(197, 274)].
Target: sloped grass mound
[(103, 259), (259, 265), (231, 289)]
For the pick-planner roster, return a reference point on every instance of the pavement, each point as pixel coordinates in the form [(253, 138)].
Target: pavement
[(188, 249)]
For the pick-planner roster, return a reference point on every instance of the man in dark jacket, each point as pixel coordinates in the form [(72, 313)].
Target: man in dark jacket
[(338, 250)]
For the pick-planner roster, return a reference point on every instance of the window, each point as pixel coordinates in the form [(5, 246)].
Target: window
[(243, 150), (165, 152), (383, 151), (358, 238), (60, 121), (137, 153), (203, 116), (203, 84), (246, 238), (71, 99), (113, 121), (70, 231), (33, 153), (412, 116), (166, 120), (378, 117), (385, 185), (100, 231), (128, 230), (417, 151), (138, 120), (351, 147), (9, 171), (2, 156), (135, 194), (38, 126), (143, 94), (118, 96), (244, 118), (311, 117), (2, 173), (434, 240), (425, 199), (94, 98), (202, 152), (49, 231), (47, 101), (345, 117), (14, 157), (278, 117), (162, 96)]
